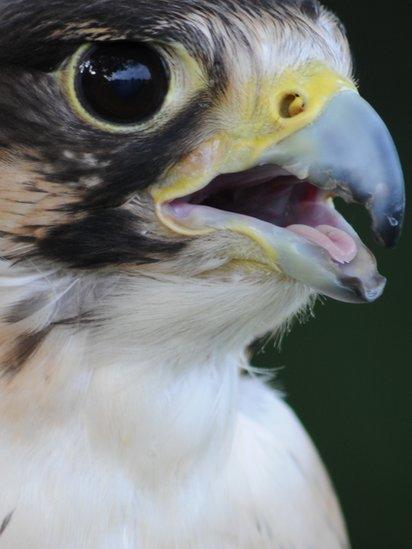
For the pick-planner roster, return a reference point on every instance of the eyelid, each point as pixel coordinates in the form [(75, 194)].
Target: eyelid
[(186, 79), (68, 77)]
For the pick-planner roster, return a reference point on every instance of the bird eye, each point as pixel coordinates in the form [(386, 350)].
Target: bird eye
[(121, 83)]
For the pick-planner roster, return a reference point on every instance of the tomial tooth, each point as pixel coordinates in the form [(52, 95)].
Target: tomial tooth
[(348, 150)]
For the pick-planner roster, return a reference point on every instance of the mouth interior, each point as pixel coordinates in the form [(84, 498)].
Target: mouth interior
[(273, 195)]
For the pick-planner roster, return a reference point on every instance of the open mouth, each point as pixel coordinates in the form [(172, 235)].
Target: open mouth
[(284, 204), (272, 195), (292, 218)]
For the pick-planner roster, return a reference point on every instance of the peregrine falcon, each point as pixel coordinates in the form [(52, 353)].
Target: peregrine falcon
[(168, 177)]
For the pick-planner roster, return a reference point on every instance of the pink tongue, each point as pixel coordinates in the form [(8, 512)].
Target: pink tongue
[(339, 244)]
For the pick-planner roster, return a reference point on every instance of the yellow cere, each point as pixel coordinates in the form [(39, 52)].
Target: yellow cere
[(240, 146)]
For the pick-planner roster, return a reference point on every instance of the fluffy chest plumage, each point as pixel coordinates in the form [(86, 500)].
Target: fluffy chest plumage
[(247, 476)]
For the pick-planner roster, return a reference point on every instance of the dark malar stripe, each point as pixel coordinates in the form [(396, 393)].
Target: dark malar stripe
[(105, 238)]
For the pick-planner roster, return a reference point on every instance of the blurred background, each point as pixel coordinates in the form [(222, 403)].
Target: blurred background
[(348, 372)]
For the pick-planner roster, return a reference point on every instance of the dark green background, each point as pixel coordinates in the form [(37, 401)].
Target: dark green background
[(348, 372)]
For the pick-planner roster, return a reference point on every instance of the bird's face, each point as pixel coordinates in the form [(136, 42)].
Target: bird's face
[(190, 144)]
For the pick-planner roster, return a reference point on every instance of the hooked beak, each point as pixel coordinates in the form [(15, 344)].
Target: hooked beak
[(282, 200), (350, 152)]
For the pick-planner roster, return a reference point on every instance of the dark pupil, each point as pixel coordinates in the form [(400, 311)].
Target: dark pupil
[(122, 83)]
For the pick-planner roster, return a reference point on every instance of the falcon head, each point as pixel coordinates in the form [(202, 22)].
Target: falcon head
[(168, 170)]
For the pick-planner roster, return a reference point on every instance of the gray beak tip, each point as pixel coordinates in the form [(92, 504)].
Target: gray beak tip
[(388, 229)]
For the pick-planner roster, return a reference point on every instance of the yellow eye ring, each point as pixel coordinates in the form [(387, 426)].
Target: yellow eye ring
[(79, 65)]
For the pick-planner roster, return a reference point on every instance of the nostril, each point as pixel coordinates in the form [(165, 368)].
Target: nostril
[(292, 105)]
